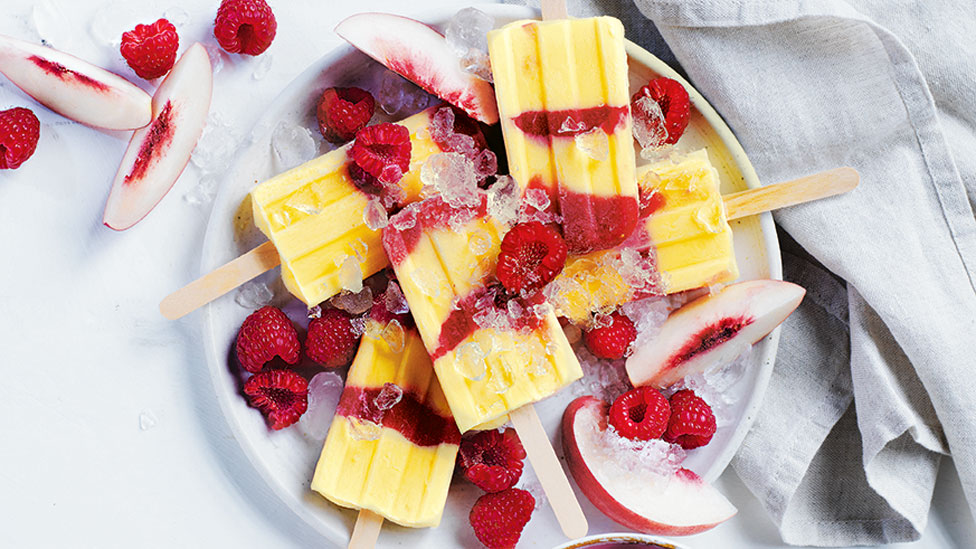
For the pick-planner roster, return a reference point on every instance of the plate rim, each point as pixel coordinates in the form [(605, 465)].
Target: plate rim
[(751, 179)]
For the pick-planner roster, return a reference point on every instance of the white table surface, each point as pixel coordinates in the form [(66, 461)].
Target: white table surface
[(111, 434)]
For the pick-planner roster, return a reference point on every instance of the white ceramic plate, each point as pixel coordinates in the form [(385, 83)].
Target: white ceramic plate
[(287, 459)]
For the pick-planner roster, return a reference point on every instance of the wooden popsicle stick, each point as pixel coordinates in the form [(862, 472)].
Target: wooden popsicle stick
[(546, 465), (366, 531), (554, 9), (790, 193), (219, 281)]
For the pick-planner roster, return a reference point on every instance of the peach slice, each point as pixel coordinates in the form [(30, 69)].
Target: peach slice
[(158, 153), (420, 54), (712, 330), (74, 88), (652, 502)]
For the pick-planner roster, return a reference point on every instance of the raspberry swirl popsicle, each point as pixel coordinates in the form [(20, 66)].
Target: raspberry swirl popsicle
[(563, 101), (324, 216), (392, 444), (492, 352)]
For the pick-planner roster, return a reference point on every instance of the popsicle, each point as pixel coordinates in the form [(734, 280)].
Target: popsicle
[(392, 444), (563, 101), (315, 217), (684, 240), (494, 354)]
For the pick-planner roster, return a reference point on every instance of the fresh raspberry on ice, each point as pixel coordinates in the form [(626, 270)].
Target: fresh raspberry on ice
[(492, 460), (531, 255), (331, 340), (613, 340), (383, 151), (692, 422), (640, 414), (267, 333), (281, 395), (151, 49), (675, 104), (19, 131), (344, 111), (245, 26), (498, 518)]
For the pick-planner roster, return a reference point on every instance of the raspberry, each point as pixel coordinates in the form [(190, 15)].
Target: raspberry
[(492, 460), (245, 26), (498, 519), (19, 131), (531, 255), (281, 395), (331, 340), (267, 333), (640, 413), (613, 341), (692, 422), (382, 151), (344, 111), (674, 102), (151, 49)]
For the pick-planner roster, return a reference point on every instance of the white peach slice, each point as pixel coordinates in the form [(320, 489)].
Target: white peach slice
[(158, 153), (420, 54), (74, 88), (675, 504), (712, 330)]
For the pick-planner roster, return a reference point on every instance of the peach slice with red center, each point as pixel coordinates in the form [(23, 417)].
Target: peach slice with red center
[(712, 330), (420, 54), (74, 88), (158, 153), (627, 491)]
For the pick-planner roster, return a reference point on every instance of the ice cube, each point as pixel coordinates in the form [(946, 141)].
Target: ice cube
[(389, 396), (463, 144), (452, 175), (263, 66), (177, 16), (486, 164), (302, 207), (442, 124), (480, 242), (503, 200), (314, 311), (253, 295), (147, 420), (52, 26), (468, 30), (394, 336), (293, 145), (350, 275), (353, 303), (203, 192), (650, 129), (217, 56), (537, 198), (477, 64), (594, 143), (362, 429), (499, 380), (110, 21), (709, 218), (406, 219), (394, 299), (359, 249), (374, 215), (398, 96), (324, 391), (570, 125), (470, 361)]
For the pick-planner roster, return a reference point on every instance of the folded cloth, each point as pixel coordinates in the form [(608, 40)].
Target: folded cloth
[(875, 372)]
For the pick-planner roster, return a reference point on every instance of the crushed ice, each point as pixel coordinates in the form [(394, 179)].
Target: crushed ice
[(398, 96), (388, 397), (650, 128), (324, 391), (467, 36), (253, 295), (452, 176), (353, 303)]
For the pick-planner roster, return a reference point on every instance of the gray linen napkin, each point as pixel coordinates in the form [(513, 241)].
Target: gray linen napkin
[(876, 374)]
